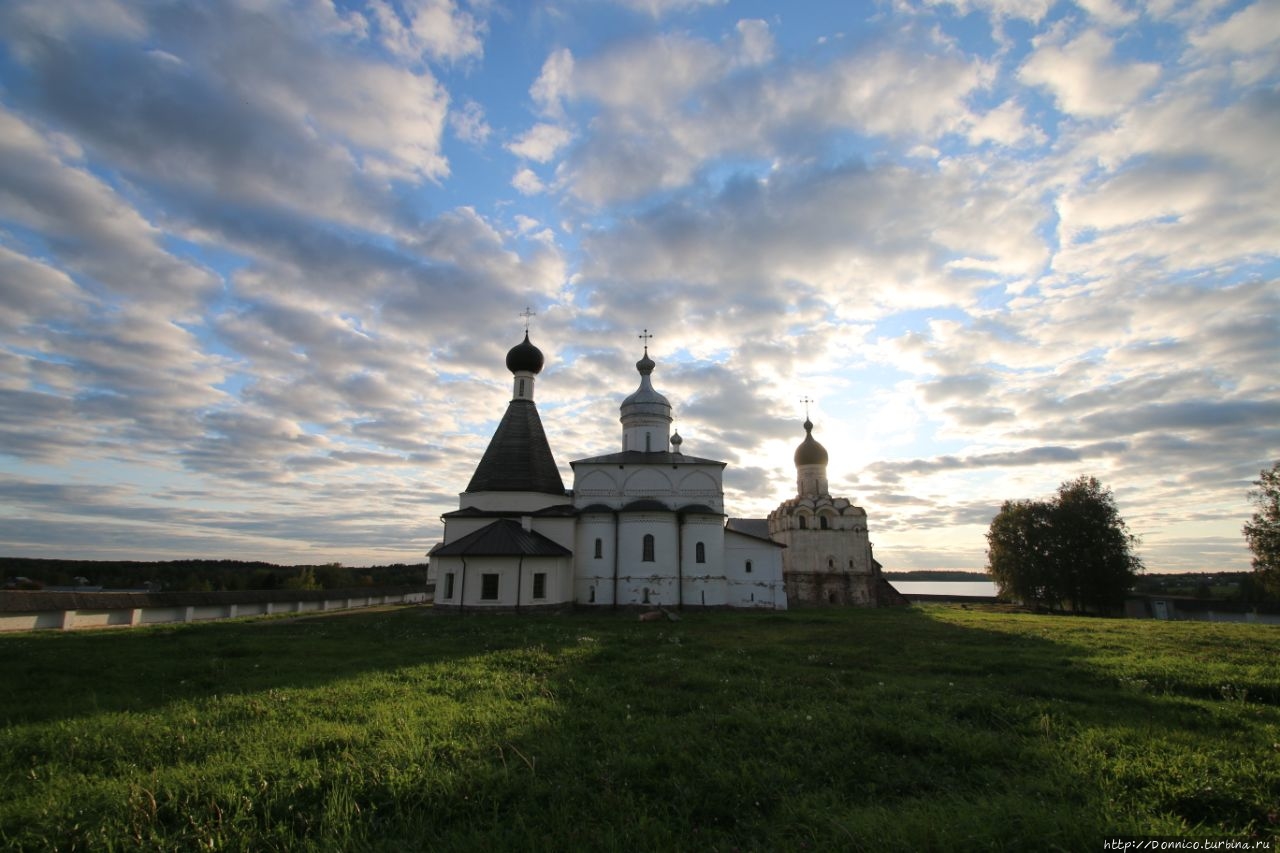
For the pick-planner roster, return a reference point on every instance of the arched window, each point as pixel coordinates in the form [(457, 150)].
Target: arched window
[(831, 563), (646, 554), (599, 549), (699, 553), (803, 524), (748, 567), (822, 522)]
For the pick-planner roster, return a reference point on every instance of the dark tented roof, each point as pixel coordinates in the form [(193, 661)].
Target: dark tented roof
[(504, 538), (518, 458)]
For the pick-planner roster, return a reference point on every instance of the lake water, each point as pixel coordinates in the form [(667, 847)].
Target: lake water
[(945, 587)]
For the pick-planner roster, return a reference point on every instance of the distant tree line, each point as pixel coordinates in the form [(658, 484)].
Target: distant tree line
[(953, 575), (203, 575), (1244, 587)]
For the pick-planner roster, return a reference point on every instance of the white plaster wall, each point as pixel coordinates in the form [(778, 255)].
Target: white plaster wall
[(588, 571), (636, 575), (593, 480), (558, 530), (128, 617), (674, 485), (647, 482), (763, 586)]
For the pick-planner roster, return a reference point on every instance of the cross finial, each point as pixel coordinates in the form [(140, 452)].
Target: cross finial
[(526, 314), (806, 402), (645, 337)]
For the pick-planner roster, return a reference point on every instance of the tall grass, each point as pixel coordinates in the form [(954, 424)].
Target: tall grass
[(926, 728)]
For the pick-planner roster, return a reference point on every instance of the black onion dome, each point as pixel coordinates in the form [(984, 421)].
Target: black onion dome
[(524, 357), (810, 452), (645, 365)]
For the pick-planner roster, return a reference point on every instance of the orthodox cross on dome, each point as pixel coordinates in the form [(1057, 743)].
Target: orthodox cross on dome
[(806, 402), (526, 314), (646, 338)]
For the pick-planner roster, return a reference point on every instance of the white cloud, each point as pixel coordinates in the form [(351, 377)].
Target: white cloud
[(527, 182), (661, 8), (541, 142), (1029, 10), (670, 104), (1111, 13), (1255, 27), (1006, 125), (1083, 77), (87, 225), (468, 123), (428, 29), (554, 83)]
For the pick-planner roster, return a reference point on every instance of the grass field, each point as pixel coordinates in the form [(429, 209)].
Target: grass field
[(929, 728)]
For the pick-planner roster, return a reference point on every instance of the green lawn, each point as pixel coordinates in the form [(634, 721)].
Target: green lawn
[(918, 729)]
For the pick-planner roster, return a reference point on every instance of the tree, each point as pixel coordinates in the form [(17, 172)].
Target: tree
[(1263, 531), (1073, 550)]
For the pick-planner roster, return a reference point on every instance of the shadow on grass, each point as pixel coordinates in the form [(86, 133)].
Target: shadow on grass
[(926, 728)]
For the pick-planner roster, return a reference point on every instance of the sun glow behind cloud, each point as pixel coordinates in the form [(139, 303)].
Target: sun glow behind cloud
[(260, 262)]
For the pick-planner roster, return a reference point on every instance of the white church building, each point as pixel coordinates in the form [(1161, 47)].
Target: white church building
[(643, 527)]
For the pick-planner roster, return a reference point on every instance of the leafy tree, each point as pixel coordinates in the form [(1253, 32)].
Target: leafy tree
[(1263, 530), (1019, 552), (1074, 549)]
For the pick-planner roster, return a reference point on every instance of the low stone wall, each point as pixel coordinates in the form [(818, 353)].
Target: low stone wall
[(33, 610)]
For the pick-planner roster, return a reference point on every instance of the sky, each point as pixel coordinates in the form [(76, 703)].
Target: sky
[(261, 261)]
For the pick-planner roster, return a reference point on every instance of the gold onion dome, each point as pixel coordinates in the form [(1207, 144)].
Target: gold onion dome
[(810, 452)]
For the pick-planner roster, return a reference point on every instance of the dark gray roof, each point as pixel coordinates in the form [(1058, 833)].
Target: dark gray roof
[(757, 527), (639, 457), (518, 458), (646, 505), (699, 509), (752, 528), (503, 538), (557, 511)]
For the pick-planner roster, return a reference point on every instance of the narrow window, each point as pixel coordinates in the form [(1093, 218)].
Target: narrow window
[(803, 525), (699, 553), (851, 564), (448, 585), (748, 567), (521, 392), (647, 550), (591, 595), (831, 564), (599, 549), (489, 587), (822, 522), (648, 441), (646, 595), (539, 585)]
